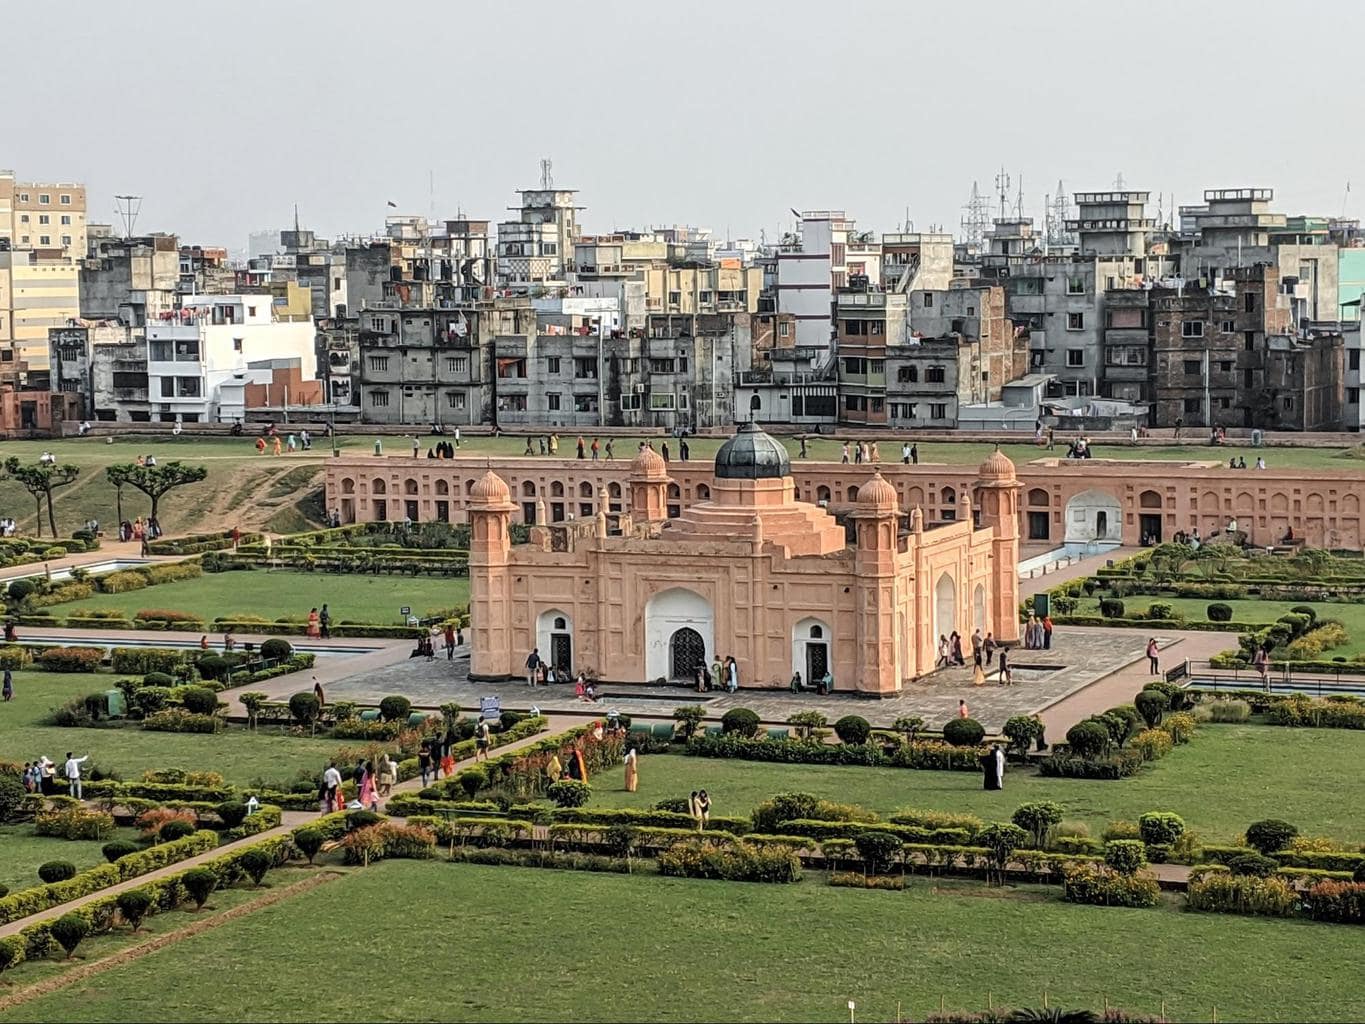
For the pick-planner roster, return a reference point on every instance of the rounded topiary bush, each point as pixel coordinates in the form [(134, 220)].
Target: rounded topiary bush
[(255, 863), (1088, 739), (1161, 827), (569, 793), (200, 883), (1271, 835), (1308, 611), (361, 818), (56, 871), (233, 812), (20, 590), (472, 780), (158, 679), (69, 930), (1111, 608), (878, 849), (118, 848), (1151, 705), (963, 732), (1219, 612), (741, 722), (304, 707), (199, 700), (175, 829), (214, 666), (1253, 864), (12, 794), (276, 649), (309, 840), (394, 708), (853, 729), (133, 906), (1126, 856), (1038, 820)]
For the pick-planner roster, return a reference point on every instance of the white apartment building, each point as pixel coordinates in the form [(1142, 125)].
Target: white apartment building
[(200, 361), (813, 264)]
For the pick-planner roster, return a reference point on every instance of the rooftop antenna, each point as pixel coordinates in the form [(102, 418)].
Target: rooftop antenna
[(128, 207), (1002, 188), (1019, 200), (547, 178), (296, 223)]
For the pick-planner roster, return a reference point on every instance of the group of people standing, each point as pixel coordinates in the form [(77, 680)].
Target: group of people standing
[(40, 776), (139, 530), (374, 781), (718, 675), (319, 623), (1038, 633), (864, 451)]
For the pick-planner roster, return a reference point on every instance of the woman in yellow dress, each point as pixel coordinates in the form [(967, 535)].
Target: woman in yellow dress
[(632, 771)]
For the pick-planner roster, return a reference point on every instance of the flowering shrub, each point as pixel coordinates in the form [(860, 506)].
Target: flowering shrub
[(74, 822), (731, 862), (1226, 893), (71, 659), (387, 839), (1340, 902), (150, 821), (180, 720), (1152, 744), (1104, 887)]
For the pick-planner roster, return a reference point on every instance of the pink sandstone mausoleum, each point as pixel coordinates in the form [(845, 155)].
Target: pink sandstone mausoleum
[(749, 571)]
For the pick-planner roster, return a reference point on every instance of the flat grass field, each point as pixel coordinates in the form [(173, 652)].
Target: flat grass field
[(272, 593), (1352, 616), (1227, 777), (241, 756), (403, 940), (22, 851)]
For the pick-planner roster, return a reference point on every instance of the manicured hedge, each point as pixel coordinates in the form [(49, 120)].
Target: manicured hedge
[(932, 755)]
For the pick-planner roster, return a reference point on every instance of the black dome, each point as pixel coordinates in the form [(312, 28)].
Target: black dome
[(752, 455)]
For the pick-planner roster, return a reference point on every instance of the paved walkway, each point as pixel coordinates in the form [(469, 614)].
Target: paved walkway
[(109, 551), (1076, 570)]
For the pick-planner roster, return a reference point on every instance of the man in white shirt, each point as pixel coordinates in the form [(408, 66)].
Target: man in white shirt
[(331, 780), (73, 772)]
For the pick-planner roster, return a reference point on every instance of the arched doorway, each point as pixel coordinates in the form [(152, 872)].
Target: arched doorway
[(979, 609), (554, 637), (945, 606), (811, 653), (668, 613), (686, 650), (1094, 516)]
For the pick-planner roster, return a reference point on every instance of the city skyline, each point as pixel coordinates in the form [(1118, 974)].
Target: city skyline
[(714, 97)]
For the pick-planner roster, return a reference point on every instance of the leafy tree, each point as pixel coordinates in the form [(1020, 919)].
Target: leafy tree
[(40, 481), (155, 481), (689, 717), (806, 723)]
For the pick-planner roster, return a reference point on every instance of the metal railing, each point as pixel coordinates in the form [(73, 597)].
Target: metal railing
[(1283, 679)]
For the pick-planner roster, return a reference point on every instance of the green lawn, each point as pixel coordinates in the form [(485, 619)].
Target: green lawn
[(1252, 610), (274, 593), (21, 852), (1228, 777), (429, 941), (241, 756)]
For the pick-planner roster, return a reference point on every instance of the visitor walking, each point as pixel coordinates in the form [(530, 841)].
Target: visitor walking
[(1047, 632), (331, 786), (914, 455), (1153, 657), (325, 621), (481, 740), (596, 449), (993, 768), (703, 810), (450, 641), (610, 454), (7, 691), (317, 692), (314, 630), (844, 453), (1261, 661), (976, 647), (795, 684), (684, 452), (804, 452), (533, 664), (632, 770), (956, 640), (663, 450), (424, 760), (731, 674), (962, 709), (369, 796), (580, 447), (73, 773), (943, 652), (1006, 677), (988, 648)]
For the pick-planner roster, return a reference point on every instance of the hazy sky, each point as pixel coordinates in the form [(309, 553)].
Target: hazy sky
[(724, 114)]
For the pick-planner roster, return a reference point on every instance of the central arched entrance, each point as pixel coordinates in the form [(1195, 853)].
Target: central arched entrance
[(945, 606), (1094, 517), (680, 630), (686, 650)]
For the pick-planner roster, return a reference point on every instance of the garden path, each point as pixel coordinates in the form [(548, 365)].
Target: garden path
[(109, 551), (1076, 570)]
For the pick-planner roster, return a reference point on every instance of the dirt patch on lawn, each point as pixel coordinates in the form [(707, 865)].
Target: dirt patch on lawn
[(142, 949)]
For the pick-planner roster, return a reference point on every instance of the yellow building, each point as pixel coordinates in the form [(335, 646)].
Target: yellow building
[(35, 294), (724, 287), (43, 215)]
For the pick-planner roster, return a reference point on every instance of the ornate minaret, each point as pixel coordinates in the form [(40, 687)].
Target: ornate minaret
[(997, 491), (490, 578), (648, 487), (874, 564)]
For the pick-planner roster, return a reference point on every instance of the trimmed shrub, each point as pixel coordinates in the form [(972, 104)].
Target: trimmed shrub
[(1271, 835), (118, 848), (56, 871), (304, 707), (1162, 610), (1038, 820), (1151, 705), (173, 830), (472, 780), (1102, 886), (1220, 892), (233, 812), (1307, 611), (180, 720), (151, 699), (1089, 739), (963, 732), (740, 721), (71, 659), (72, 821), (689, 717), (1340, 902), (199, 700), (158, 679), (69, 930), (1254, 864), (878, 849), (200, 883), (569, 793), (1160, 827), (361, 818), (395, 708), (1180, 726), (1111, 608), (133, 906), (853, 729), (309, 840), (1228, 710), (255, 862), (1152, 744), (1219, 612), (1126, 856), (12, 795), (1000, 841), (730, 861), (277, 649)]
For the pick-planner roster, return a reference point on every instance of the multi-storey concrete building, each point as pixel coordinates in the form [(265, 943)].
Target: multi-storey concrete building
[(42, 215), (130, 280), (38, 291), (534, 251), (813, 264)]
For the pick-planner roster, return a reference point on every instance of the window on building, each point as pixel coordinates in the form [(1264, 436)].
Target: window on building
[(1193, 367), (1193, 405), (908, 375), (935, 375), (928, 300), (187, 387), (549, 248), (66, 219), (44, 199), (455, 399), (1075, 357), (1249, 302), (552, 364), (1288, 403), (66, 200), (682, 364), (44, 239), (23, 197), (1229, 327), (1225, 403), (1075, 321), (552, 402), (1075, 285), (1353, 359), (660, 400), (585, 369), (167, 387), (44, 219), (23, 218), (453, 364), (1224, 366), (704, 297), (379, 398), (1192, 329), (236, 344), (783, 329), (675, 298), (630, 402), (1353, 396), (379, 363), (938, 410), (512, 368), (66, 239)]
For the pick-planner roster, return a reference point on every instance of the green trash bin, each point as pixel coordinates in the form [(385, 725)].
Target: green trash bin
[(417, 718), (777, 734), (663, 730), (369, 715), (118, 703)]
